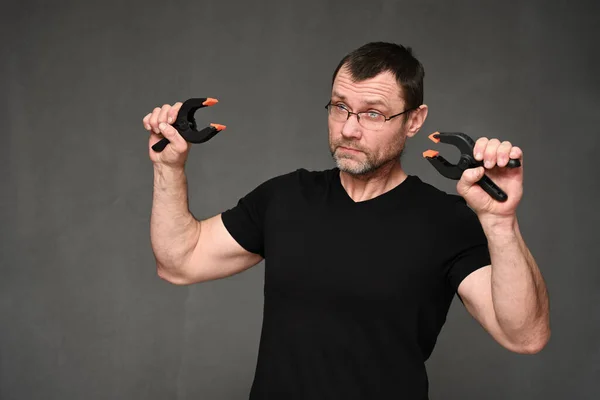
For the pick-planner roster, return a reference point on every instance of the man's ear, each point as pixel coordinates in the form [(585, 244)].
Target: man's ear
[(416, 120)]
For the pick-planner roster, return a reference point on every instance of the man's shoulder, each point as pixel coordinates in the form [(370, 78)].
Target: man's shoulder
[(441, 205), (430, 194)]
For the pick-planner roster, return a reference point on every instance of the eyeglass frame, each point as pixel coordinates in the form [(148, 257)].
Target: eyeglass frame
[(364, 112)]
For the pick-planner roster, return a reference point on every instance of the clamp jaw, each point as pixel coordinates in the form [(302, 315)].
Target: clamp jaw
[(466, 146), (186, 124)]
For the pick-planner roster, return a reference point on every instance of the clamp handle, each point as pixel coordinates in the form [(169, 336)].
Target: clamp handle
[(492, 189), (186, 125)]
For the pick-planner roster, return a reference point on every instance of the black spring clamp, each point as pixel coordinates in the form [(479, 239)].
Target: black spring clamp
[(186, 125), (466, 146)]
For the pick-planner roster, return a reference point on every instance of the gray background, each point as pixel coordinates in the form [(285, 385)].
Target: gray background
[(83, 314)]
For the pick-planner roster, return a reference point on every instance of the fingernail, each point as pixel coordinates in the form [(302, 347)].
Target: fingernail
[(488, 164), (162, 126), (147, 127), (170, 119), (478, 156)]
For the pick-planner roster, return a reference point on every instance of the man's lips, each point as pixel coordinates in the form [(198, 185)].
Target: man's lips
[(349, 149)]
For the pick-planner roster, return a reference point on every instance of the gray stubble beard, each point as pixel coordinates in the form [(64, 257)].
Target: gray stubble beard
[(364, 167)]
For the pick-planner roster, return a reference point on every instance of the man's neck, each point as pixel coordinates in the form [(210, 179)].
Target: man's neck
[(368, 186)]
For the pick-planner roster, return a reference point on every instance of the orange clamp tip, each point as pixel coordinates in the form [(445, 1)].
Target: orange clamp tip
[(434, 138), (430, 153), (210, 101), (218, 126)]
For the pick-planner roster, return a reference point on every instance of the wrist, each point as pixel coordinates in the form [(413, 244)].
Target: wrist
[(499, 225), (168, 176), (162, 169), (168, 171)]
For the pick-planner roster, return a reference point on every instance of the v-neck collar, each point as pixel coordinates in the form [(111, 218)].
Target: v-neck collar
[(391, 196)]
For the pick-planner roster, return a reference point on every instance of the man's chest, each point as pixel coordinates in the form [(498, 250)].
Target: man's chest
[(355, 256)]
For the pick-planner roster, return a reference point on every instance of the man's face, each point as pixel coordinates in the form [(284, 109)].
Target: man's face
[(357, 150)]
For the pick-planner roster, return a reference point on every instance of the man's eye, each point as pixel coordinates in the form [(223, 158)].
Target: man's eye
[(373, 115)]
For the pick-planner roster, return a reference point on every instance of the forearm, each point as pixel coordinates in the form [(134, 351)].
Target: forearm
[(518, 290), (173, 229)]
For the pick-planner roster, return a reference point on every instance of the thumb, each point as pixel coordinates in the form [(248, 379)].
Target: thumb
[(177, 142), (469, 178)]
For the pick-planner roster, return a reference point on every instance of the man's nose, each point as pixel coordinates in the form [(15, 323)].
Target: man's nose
[(351, 127)]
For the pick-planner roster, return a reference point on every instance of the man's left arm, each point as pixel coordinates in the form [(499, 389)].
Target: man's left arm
[(508, 297)]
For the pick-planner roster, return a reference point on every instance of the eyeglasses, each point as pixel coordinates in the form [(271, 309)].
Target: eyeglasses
[(367, 119)]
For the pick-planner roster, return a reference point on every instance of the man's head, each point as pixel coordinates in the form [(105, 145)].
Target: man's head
[(378, 80)]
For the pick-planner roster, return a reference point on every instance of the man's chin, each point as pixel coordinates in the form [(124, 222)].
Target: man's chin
[(352, 167)]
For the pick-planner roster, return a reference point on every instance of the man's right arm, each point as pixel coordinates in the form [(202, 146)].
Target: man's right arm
[(189, 251), (186, 250)]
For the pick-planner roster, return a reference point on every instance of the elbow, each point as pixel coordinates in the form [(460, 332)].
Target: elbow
[(535, 344), (532, 348), (173, 278)]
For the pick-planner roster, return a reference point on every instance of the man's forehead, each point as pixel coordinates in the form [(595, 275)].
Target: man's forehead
[(381, 89), (368, 100)]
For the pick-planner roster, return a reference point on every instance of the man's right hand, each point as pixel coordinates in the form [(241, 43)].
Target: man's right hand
[(158, 123)]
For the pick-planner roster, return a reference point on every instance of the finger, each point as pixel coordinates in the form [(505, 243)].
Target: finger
[(146, 122), (177, 142), (472, 175), (490, 153), (503, 153), (154, 120), (479, 147), (516, 153), (469, 178), (163, 116), (155, 138), (172, 115)]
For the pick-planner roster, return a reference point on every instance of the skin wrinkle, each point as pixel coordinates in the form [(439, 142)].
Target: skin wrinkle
[(367, 101)]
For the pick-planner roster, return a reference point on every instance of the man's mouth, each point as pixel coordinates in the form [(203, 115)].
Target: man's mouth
[(349, 149)]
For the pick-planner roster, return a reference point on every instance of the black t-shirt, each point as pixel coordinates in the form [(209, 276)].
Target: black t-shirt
[(355, 293)]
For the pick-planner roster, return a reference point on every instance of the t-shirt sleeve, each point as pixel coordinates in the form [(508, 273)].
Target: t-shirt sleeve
[(246, 220), (468, 245)]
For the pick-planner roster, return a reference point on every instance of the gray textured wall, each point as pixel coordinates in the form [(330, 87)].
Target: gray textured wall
[(83, 314)]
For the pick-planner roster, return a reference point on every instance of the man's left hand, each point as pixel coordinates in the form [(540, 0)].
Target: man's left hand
[(495, 155)]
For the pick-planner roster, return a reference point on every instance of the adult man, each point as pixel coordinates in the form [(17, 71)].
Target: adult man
[(361, 261)]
